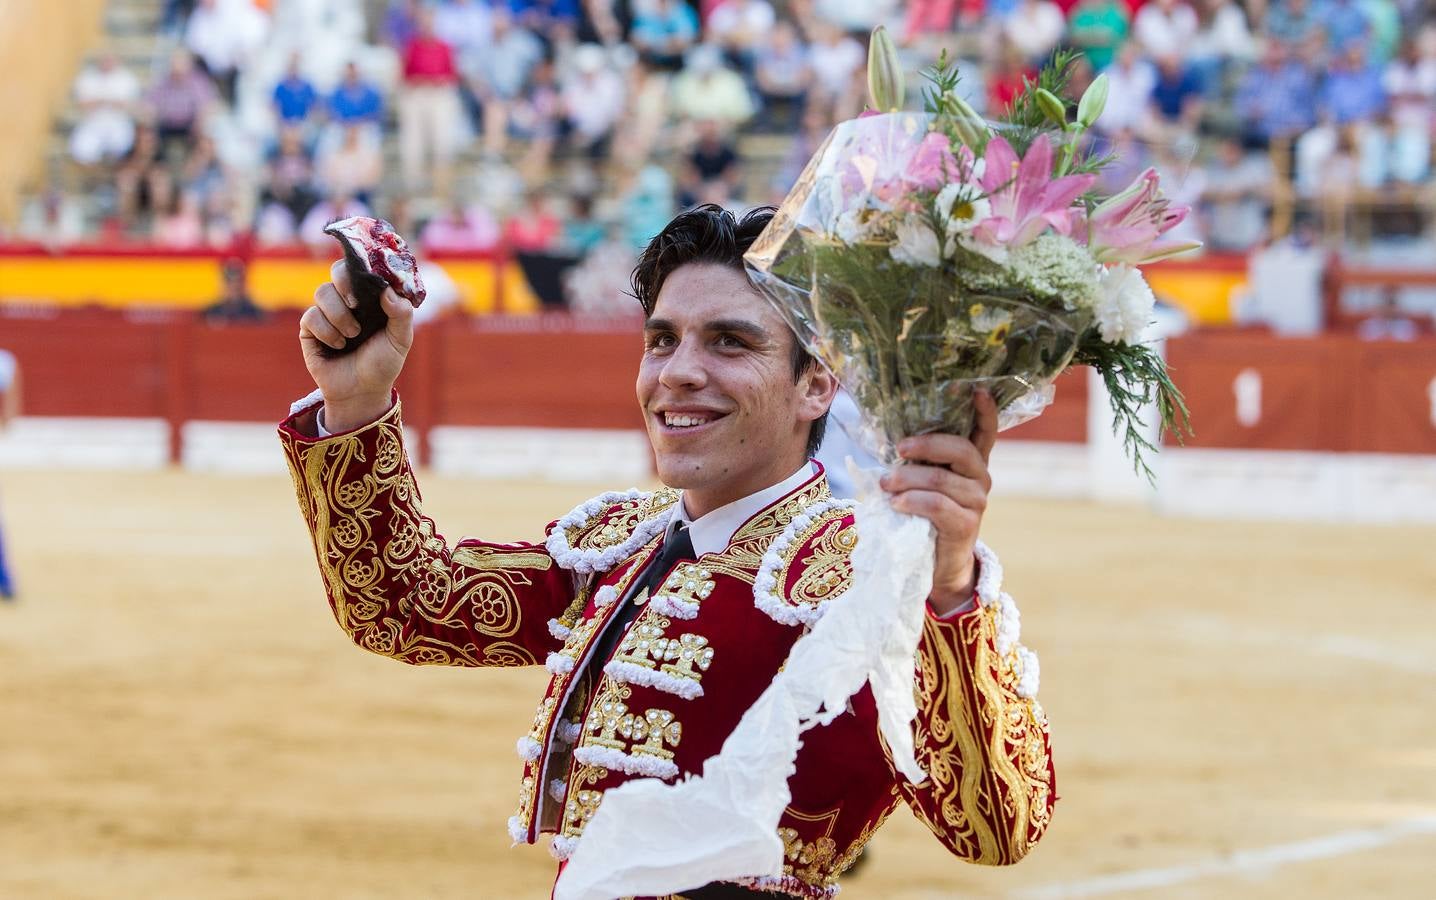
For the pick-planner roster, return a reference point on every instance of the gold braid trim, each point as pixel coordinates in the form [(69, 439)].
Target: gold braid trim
[(970, 716)]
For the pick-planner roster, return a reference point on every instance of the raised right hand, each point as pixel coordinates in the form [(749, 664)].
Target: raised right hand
[(357, 385)]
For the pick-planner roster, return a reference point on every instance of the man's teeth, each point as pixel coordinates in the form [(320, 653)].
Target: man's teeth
[(682, 420)]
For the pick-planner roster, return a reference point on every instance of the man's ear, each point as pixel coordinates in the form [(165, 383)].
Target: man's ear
[(820, 386)]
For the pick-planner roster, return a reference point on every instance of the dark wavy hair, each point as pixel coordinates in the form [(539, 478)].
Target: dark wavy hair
[(711, 235)]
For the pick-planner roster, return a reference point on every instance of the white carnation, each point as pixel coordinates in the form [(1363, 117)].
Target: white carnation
[(1124, 305), (916, 244)]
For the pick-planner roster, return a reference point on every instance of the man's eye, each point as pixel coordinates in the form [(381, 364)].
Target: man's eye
[(660, 340), (728, 340)]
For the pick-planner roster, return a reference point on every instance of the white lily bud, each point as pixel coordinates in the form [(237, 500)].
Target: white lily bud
[(1093, 101), (1052, 106), (886, 85)]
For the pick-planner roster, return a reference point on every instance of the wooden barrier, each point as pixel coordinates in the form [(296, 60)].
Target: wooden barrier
[(1246, 390)]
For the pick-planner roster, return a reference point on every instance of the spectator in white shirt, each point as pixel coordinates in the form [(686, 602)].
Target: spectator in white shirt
[(1034, 28), (223, 34), (1129, 92), (592, 99), (1410, 82), (834, 59), (106, 93), (741, 27), (465, 25), (1165, 28)]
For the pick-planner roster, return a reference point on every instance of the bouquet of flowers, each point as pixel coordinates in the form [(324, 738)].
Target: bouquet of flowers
[(922, 256)]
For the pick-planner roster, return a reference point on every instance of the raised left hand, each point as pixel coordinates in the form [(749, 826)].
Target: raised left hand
[(946, 481)]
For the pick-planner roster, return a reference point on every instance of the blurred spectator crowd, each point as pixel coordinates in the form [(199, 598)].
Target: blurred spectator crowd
[(571, 130)]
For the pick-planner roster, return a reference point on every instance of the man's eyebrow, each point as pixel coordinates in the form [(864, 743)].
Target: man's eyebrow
[(734, 326)]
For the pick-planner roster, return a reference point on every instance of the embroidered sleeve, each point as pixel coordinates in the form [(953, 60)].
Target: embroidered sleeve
[(981, 735), (394, 584)]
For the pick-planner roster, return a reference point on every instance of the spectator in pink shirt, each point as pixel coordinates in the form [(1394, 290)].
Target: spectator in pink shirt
[(460, 229), (429, 108)]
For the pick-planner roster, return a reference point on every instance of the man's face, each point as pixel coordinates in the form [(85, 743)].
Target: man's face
[(724, 413)]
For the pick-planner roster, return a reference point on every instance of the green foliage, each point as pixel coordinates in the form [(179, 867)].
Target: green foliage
[(1135, 376)]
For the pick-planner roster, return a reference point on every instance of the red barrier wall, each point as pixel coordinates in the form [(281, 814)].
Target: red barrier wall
[(1245, 390)]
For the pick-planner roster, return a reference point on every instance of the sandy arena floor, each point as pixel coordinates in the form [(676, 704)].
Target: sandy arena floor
[(1238, 710)]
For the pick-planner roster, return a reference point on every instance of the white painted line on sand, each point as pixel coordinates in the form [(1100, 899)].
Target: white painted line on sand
[(1240, 862)]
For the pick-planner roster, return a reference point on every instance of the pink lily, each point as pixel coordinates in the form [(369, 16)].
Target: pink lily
[(1025, 198), (1125, 227)]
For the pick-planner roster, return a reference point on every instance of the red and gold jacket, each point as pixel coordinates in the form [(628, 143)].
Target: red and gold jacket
[(699, 652)]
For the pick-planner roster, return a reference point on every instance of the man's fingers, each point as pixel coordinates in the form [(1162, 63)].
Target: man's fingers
[(969, 493), (984, 432), (401, 319), (945, 514), (947, 450), (339, 277), (328, 301), (314, 324)]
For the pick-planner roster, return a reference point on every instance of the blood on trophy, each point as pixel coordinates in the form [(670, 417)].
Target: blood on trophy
[(376, 258)]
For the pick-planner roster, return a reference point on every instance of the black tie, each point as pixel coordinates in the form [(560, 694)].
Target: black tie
[(676, 548)]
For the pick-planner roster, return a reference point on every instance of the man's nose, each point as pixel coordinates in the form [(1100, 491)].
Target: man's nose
[(684, 367)]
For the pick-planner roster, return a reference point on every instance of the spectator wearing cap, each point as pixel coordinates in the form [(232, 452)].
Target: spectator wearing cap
[(1098, 28), (593, 100), (430, 108), (707, 89), (1164, 27), (782, 76), (294, 96), (107, 94), (663, 30)]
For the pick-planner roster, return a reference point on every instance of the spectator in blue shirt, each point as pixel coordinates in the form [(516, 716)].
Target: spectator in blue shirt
[(1293, 22), (294, 97), (1345, 23), (1274, 100), (355, 101), (664, 32), (1353, 91), (1177, 93)]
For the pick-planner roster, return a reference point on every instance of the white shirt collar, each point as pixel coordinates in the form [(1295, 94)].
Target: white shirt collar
[(711, 533)]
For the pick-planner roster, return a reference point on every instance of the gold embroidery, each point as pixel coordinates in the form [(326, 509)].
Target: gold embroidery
[(827, 570), (998, 806), (643, 640), (612, 726), (580, 801), (688, 584), (741, 558), (395, 587), (688, 652)]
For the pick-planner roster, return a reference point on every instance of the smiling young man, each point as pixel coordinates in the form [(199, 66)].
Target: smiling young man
[(642, 605)]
